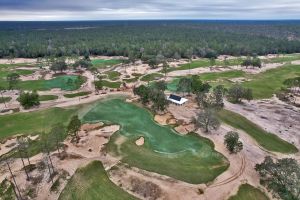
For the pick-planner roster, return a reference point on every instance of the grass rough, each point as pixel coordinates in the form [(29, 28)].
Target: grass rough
[(92, 182), (248, 192)]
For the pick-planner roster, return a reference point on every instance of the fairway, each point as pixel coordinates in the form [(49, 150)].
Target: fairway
[(189, 158), (92, 182), (102, 63), (248, 192), (33, 122), (263, 85), (267, 140), (66, 82)]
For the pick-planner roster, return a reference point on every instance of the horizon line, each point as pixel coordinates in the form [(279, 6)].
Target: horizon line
[(179, 19)]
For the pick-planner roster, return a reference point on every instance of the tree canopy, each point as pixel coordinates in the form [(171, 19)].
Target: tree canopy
[(137, 39)]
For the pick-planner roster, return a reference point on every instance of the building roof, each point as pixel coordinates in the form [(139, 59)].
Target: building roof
[(177, 99)]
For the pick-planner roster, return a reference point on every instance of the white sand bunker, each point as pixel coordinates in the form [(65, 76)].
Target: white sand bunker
[(140, 141)]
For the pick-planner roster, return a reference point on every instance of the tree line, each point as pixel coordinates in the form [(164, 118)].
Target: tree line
[(144, 39)]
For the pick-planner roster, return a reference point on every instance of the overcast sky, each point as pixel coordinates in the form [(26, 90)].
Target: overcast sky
[(146, 9)]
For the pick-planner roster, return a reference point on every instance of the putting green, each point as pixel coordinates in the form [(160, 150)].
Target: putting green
[(190, 158), (66, 82)]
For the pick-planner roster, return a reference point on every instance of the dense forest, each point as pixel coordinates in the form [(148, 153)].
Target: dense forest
[(172, 39)]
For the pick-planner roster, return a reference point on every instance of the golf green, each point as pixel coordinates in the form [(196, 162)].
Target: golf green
[(189, 158)]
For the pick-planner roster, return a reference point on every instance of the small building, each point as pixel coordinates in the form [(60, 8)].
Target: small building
[(177, 99)]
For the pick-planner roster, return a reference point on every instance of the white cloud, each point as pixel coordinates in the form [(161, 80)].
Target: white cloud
[(144, 9)]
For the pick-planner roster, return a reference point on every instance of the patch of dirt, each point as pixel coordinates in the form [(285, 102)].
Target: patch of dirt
[(90, 127), (165, 119), (147, 190), (140, 141), (273, 115), (185, 129)]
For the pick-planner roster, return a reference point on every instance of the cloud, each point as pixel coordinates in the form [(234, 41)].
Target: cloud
[(145, 9)]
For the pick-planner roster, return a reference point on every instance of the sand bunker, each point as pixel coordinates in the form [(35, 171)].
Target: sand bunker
[(90, 127), (140, 141), (165, 119)]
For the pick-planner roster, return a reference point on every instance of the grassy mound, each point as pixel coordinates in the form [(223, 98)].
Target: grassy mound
[(188, 158), (47, 97), (247, 192), (267, 140), (91, 182)]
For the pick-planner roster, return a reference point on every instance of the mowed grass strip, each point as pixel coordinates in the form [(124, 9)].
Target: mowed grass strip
[(78, 94), (151, 77), (102, 63), (111, 84), (33, 122), (47, 97), (92, 182), (248, 192), (266, 140)]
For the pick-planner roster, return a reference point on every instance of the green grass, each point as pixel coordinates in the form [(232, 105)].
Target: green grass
[(131, 80), (6, 190), (4, 99), (4, 71), (110, 84), (248, 192), (92, 182), (189, 158), (78, 94), (218, 78), (61, 82), (267, 140), (151, 77), (283, 58), (267, 83), (113, 75), (33, 122), (263, 85), (47, 97), (102, 63), (24, 71), (14, 65)]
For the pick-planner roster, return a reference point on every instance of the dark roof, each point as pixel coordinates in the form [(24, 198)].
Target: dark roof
[(175, 97)]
